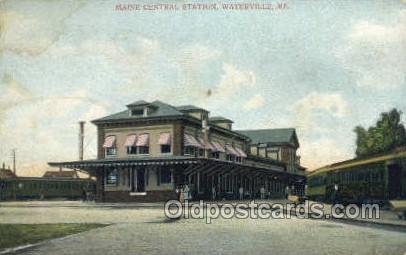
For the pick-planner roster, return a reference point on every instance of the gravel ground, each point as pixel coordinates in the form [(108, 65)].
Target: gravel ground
[(145, 231)]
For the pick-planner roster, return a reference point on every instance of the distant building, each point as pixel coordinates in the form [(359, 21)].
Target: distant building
[(61, 174), (6, 172), (150, 149), (280, 144)]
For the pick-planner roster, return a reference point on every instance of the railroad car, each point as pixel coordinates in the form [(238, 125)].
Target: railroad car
[(376, 179), (45, 188)]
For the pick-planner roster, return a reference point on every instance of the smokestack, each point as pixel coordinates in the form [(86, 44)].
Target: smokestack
[(81, 138)]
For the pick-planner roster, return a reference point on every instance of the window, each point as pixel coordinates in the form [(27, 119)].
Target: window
[(201, 152), (131, 150), (262, 152), (137, 112), (112, 151), (273, 153), (112, 177), (110, 145), (143, 149), (165, 148), (189, 150), (230, 157), (166, 176), (238, 159), (215, 154)]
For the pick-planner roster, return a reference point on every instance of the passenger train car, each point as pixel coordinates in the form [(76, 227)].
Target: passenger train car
[(375, 179), (45, 188)]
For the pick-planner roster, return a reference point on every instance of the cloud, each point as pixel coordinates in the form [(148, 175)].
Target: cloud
[(254, 102), (46, 128), (233, 80), (306, 108), (320, 152), (12, 93), (374, 53), (195, 55), (24, 30)]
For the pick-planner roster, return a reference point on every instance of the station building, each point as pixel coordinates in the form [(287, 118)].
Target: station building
[(150, 149)]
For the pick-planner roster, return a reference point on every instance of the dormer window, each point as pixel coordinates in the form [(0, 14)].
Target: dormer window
[(221, 122), (141, 108), (137, 112)]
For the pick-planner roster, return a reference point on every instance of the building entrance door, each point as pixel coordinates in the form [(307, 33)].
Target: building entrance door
[(141, 180), (138, 180)]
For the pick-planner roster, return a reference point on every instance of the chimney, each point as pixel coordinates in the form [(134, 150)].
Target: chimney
[(4, 166), (81, 138)]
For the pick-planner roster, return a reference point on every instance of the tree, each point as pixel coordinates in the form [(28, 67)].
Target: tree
[(388, 134)]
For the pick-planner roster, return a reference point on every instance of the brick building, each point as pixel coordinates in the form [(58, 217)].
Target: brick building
[(147, 150)]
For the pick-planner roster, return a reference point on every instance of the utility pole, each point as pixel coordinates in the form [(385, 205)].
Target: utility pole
[(81, 138)]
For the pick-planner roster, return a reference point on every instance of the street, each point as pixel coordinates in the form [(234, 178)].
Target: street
[(145, 230)]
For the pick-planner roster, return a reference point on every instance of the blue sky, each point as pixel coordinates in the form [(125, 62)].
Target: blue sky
[(320, 66)]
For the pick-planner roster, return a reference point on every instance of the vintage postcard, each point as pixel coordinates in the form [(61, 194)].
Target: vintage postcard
[(202, 127)]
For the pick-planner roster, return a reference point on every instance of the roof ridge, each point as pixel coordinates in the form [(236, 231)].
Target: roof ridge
[(292, 128), (166, 104)]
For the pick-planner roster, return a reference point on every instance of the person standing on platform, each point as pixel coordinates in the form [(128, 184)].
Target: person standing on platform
[(181, 195), (213, 193), (186, 192), (241, 192), (287, 191), (262, 191)]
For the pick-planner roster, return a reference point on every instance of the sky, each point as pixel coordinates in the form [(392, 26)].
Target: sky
[(322, 67)]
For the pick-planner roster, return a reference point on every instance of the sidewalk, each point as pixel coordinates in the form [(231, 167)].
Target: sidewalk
[(387, 218)]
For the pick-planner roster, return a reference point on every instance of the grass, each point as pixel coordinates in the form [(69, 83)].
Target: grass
[(12, 235)]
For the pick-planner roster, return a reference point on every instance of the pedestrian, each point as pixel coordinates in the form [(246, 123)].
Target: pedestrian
[(177, 190), (335, 195), (241, 192), (186, 192), (84, 195), (181, 194), (287, 191), (213, 193), (262, 191)]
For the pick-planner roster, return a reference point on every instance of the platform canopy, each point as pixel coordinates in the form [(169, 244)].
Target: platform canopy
[(186, 164)]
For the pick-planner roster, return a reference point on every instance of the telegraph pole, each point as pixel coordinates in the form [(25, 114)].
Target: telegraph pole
[(81, 138)]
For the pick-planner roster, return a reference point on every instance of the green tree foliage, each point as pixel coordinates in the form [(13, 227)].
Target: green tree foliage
[(388, 134)]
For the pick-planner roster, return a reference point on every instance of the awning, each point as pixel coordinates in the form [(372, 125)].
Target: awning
[(109, 141), (241, 152), (218, 147), (130, 140), (143, 140), (230, 150), (207, 145), (164, 139), (191, 141)]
